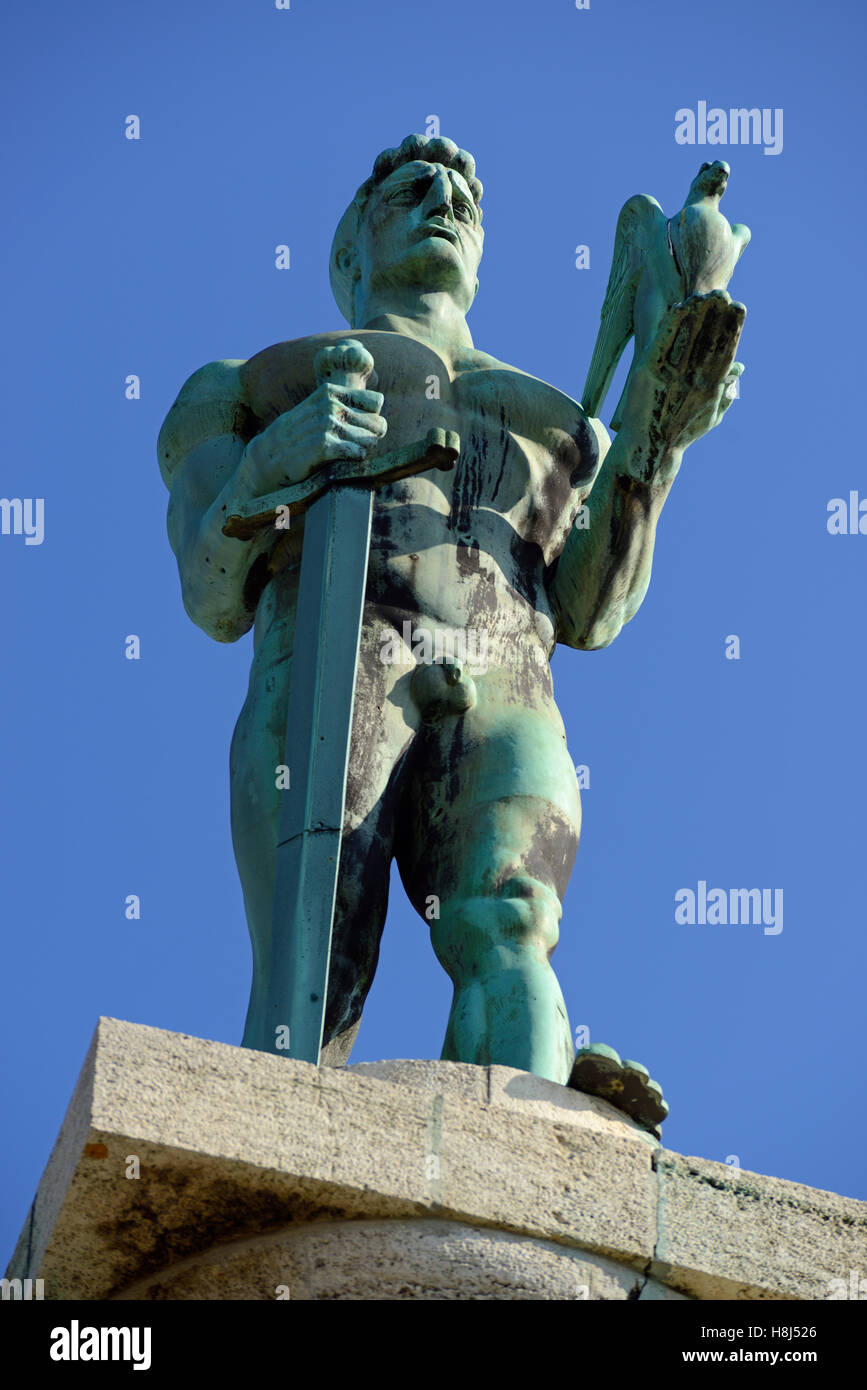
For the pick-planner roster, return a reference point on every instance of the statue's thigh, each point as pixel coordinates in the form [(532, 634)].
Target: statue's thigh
[(494, 800), (380, 736), (257, 753), (382, 733)]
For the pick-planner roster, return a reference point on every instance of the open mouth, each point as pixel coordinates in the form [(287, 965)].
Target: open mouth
[(440, 229)]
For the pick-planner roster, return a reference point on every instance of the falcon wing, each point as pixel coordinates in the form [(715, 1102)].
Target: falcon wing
[(641, 221)]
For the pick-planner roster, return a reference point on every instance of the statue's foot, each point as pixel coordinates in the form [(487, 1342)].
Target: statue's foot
[(599, 1071)]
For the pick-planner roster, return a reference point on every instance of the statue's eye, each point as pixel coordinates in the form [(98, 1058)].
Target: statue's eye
[(463, 210), (409, 193)]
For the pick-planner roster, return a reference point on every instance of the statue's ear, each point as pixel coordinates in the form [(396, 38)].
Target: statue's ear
[(347, 262)]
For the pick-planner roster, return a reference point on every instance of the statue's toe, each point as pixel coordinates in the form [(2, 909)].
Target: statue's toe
[(599, 1071)]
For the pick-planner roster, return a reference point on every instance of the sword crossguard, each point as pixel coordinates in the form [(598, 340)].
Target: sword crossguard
[(439, 449)]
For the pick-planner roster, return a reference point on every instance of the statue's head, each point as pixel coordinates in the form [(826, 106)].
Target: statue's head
[(414, 224)]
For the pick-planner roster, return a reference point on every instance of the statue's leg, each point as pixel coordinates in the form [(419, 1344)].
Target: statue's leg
[(380, 735), (256, 753), (493, 834)]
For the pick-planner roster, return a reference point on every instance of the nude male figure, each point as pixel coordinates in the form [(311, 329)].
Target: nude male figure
[(461, 775)]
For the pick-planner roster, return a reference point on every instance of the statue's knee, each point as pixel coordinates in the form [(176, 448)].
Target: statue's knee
[(480, 932)]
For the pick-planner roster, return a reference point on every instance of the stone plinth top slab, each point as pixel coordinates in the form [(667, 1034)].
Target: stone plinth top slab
[(194, 1169)]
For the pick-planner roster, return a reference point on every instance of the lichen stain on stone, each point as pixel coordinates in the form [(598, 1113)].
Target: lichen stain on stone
[(218, 1212)]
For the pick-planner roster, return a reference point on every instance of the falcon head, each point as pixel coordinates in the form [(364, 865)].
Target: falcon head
[(711, 179)]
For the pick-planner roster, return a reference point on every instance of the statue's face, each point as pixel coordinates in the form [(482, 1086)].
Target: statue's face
[(421, 229)]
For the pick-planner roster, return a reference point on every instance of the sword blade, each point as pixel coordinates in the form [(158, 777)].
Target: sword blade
[(318, 730)]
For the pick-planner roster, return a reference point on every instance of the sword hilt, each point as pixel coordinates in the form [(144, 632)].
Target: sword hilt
[(347, 363)]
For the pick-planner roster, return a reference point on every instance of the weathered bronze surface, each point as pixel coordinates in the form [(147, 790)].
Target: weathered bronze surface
[(543, 532)]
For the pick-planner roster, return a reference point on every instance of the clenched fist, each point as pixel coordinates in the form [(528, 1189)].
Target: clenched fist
[(334, 422)]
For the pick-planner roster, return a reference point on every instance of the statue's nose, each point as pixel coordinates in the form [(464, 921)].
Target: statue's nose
[(441, 209), (438, 202)]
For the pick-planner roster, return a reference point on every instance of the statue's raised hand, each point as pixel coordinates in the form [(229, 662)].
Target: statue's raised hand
[(684, 382), (334, 422)]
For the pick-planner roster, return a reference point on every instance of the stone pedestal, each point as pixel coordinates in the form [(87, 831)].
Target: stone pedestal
[(188, 1169)]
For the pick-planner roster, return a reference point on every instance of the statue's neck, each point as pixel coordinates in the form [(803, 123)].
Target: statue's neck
[(433, 319)]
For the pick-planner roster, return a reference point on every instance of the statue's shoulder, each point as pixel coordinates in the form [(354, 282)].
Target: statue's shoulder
[(483, 362), (211, 402), (527, 386)]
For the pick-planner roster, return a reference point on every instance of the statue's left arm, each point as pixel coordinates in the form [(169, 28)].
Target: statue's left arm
[(680, 389)]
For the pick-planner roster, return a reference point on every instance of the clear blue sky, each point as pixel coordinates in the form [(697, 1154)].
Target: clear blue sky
[(156, 256)]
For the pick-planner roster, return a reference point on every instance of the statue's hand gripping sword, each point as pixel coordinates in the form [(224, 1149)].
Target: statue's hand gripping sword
[(338, 500)]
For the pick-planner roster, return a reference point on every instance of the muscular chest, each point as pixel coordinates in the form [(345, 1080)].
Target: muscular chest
[(527, 455)]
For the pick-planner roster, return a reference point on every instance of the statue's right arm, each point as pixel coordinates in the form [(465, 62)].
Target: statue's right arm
[(202, 456)]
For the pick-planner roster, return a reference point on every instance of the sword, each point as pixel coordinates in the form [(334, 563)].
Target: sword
[(338, 501)]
